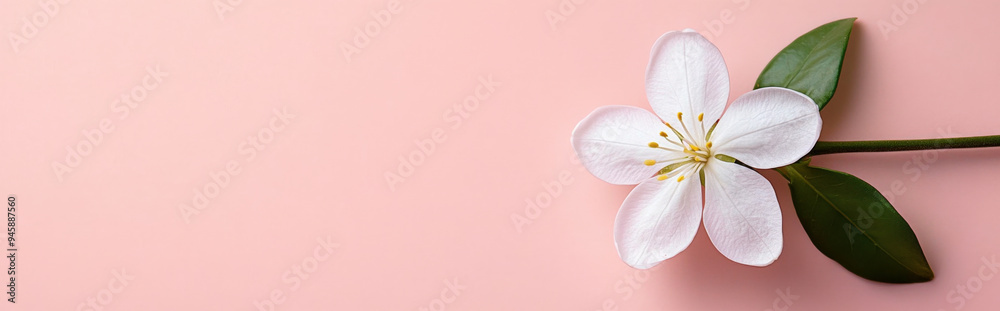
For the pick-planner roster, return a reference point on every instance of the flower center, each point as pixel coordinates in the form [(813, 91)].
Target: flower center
[(688, 150)]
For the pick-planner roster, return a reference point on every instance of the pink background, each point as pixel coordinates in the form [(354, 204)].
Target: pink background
[(322, 175)]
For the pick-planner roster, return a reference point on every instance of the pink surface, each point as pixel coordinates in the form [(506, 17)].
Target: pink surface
[(292, 139)]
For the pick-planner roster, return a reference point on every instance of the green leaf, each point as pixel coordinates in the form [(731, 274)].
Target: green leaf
[(852, 223), (811, 64)]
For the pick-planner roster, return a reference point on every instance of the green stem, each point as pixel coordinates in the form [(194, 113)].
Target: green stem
[(828, 147)]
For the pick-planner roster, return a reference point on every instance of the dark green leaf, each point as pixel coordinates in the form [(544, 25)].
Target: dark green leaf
[(852, 223), (811, 64)]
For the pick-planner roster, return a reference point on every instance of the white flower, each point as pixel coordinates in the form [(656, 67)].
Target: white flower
[(687, 85)]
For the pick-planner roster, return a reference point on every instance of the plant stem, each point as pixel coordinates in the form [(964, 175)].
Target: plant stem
[(828, 147)]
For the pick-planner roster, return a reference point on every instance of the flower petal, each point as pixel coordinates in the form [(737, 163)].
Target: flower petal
[(742, 216), (768, 127), (686, 73), (658, 219), (613, 141)]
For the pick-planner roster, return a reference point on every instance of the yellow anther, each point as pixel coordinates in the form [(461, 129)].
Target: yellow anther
[(654, 145), (649, 162), (695, 148), (679, 116), (696, 159), (701, 117), (661, 177), (708, 145), (664, 134), (679, 179)]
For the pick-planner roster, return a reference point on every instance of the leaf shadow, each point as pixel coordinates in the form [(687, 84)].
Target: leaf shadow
[(851, 82)]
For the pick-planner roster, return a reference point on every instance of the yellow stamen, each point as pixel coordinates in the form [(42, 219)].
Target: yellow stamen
[(679, 116), (661, 177), (708, 145), (679, 179), (664, 134), (649, 162), (701, 117), (679, 136), (654, 145), (695, 148)]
